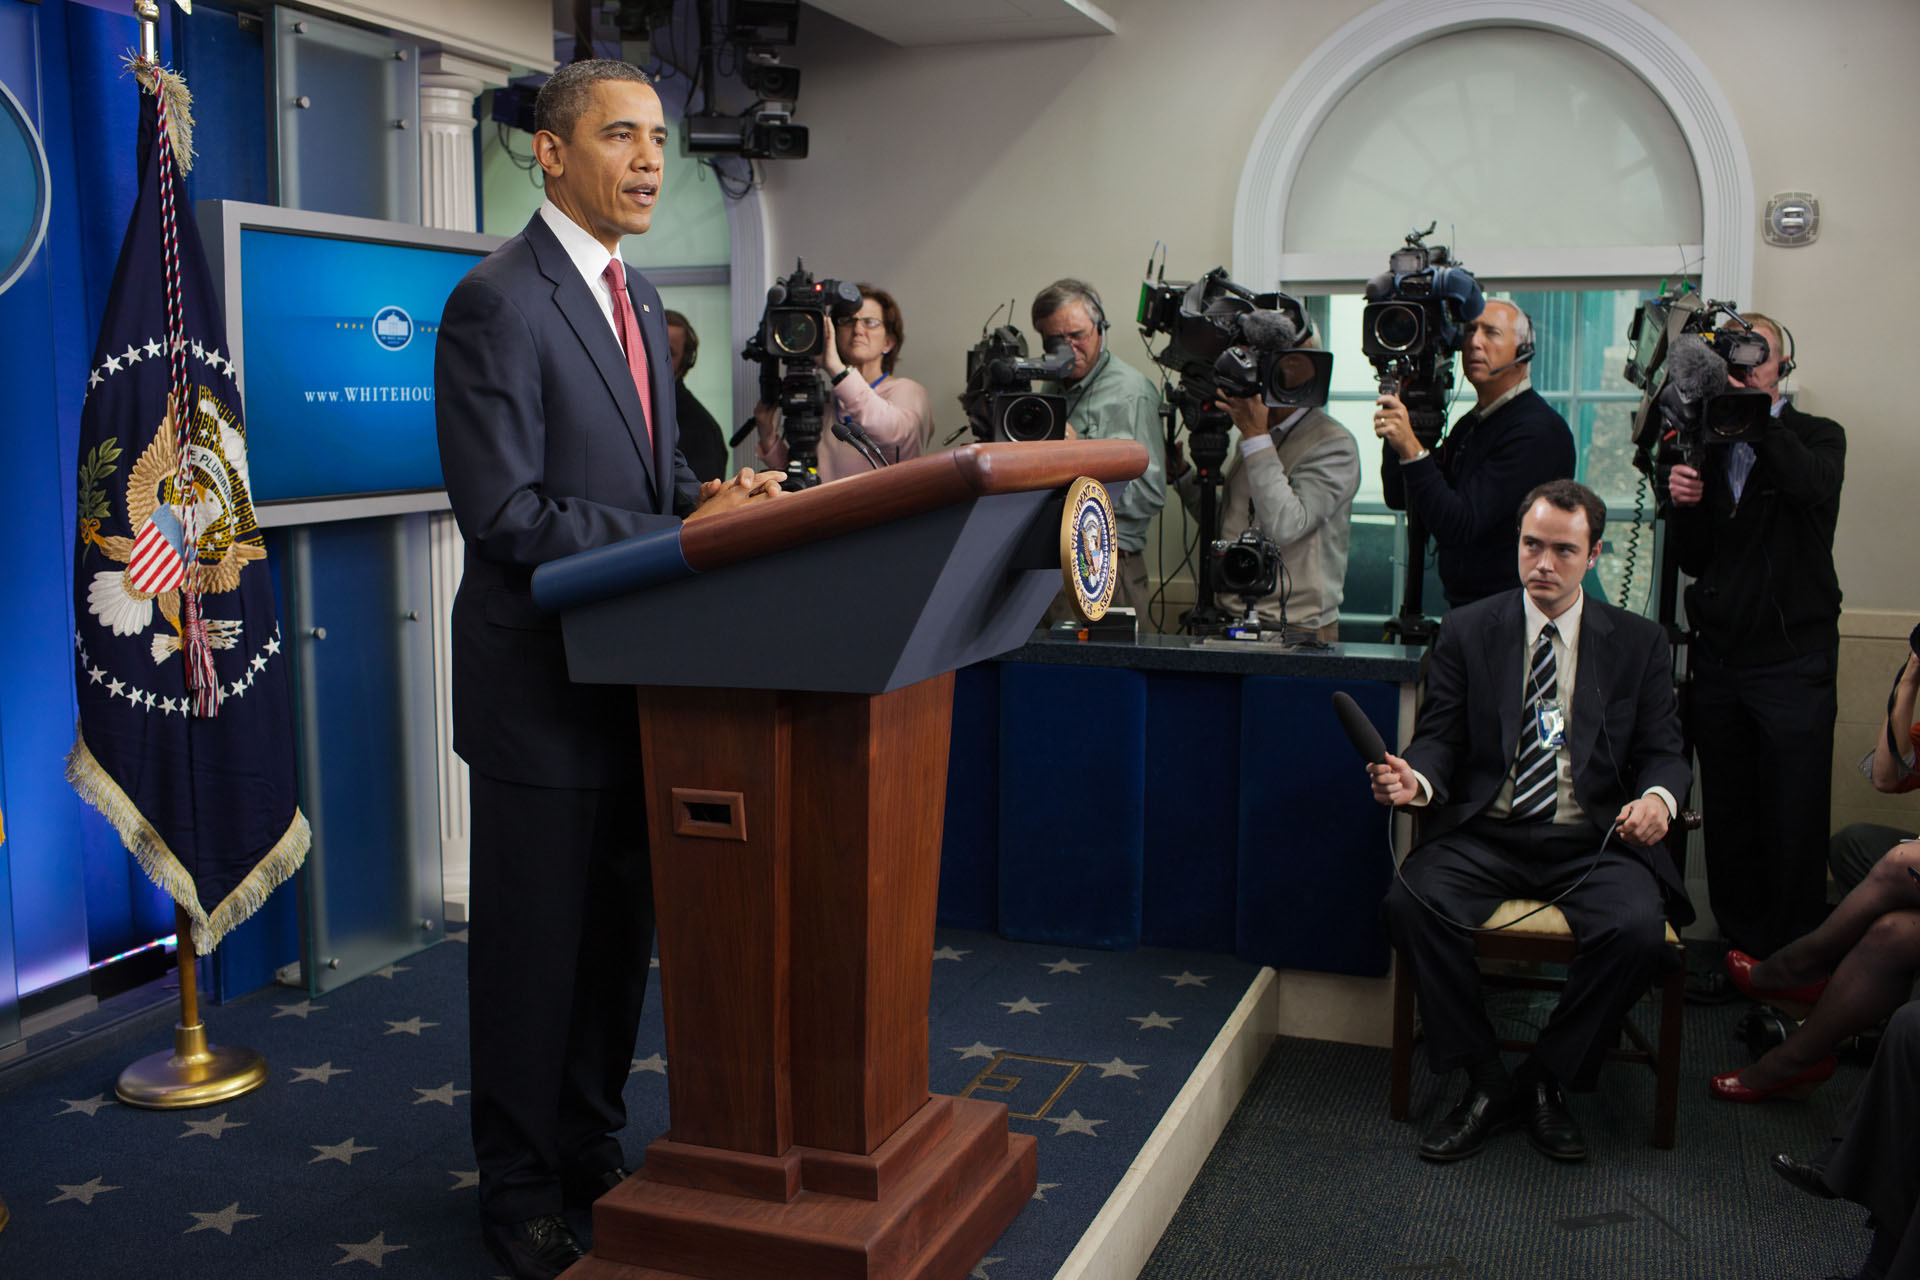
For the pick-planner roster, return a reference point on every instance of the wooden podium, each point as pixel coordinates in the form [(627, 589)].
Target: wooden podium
[(794, 668)]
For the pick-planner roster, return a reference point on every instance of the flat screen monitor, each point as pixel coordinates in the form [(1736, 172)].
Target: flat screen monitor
[(332, 322)]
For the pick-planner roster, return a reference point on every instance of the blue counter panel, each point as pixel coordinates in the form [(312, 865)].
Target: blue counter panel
[(970, 854), (1072, 804), (1313, 853), (1192, 813)]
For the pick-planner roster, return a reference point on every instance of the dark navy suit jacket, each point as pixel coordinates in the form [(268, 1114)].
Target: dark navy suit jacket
[(545, 453), (1623, 731)]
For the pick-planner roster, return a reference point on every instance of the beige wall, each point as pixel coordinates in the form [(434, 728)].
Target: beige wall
[(961, 176)]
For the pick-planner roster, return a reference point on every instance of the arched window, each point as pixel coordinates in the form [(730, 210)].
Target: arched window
[(1574, 154)]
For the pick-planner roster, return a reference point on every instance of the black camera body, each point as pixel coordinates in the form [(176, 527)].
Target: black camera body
[(1681, 350), (1247, 566), (1000, 401), (1224, 339), (793, 330), (1415, 320)]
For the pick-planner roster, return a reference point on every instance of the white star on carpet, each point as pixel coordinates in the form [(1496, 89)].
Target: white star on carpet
[(322, 1073), (976, 1050), (84, 1193), (224, 1221), (1131, 1070), (1022, 1005), (1064, 965), (1185, 979), (464, 1179), (652, 1062), (300, 1010), (89, 1105), (212, 1128), (446, 1093), (412, 1026), (948, 953), (1153, 1020), (1074, 1123), (980, 1271), (1040, 1190), (344, 1152), (372, 1251), (388, 971)]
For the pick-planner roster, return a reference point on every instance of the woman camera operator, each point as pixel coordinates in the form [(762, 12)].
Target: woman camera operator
[(895, 412)]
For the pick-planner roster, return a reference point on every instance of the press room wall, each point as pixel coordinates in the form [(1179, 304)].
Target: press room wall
[(961, 176)]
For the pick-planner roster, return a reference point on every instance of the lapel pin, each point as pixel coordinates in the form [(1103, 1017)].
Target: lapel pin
[(646, 307)]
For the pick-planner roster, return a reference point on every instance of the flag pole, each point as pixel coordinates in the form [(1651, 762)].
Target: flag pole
[(148, 11), (194, 1074)]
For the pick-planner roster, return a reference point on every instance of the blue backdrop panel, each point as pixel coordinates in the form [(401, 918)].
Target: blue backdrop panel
[(970, 849), (1314, 862), (1072, 804), (1192, 812)]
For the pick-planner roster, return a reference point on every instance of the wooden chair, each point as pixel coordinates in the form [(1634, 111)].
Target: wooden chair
[(1545, 939)]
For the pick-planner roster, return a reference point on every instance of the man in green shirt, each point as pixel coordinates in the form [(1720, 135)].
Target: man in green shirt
[(1109, 400)]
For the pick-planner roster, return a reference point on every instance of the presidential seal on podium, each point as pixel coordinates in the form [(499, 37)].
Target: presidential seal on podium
[(1089, 548)]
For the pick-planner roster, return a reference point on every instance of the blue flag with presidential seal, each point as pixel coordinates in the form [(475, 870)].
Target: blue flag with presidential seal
[(185, 739)]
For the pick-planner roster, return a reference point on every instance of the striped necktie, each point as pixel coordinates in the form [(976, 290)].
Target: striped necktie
[(1535, 769)]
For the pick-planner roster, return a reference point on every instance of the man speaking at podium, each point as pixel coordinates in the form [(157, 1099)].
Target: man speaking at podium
[(553, 395)]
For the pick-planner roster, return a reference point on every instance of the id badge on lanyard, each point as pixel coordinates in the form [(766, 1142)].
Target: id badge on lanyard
[(1550, 723)]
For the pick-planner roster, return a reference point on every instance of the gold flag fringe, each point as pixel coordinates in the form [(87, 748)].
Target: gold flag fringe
[(163, 868), (155, 78)]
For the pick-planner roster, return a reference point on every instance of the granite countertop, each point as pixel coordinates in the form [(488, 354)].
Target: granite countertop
[(1186, 655)]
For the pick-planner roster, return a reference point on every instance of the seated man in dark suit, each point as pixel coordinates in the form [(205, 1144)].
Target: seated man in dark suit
[(1548, 719)]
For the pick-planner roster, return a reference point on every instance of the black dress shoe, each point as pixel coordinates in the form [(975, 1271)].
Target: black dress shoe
[(1465, 1129), (537, 1249), (1804, 1174), (581, 1188), (1550, 1126)]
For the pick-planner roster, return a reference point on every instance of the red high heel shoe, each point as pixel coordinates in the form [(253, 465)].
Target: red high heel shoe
[(1740, 969), (1727, 1088)]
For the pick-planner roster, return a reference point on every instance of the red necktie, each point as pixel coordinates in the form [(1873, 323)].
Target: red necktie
[(629, 326)]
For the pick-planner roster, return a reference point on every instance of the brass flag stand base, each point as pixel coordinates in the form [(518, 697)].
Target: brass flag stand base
[(194, 1074)]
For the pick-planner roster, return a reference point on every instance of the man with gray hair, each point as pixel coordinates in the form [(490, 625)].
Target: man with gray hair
[(1109, 400), (1465, 488)]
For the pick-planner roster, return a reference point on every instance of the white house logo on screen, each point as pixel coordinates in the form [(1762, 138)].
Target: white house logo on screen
[(392, 328)]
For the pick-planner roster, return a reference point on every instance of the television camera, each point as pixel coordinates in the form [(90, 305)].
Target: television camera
[(1681, 349), (794, 328), (1000, 401), (1415, 320), (1224, 340)]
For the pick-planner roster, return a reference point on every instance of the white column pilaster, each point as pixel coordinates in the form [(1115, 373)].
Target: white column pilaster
[(448, 86)]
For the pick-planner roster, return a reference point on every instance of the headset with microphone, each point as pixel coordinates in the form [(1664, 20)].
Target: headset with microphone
[(1522, 354)]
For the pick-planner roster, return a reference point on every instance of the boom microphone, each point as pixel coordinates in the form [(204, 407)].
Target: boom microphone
[(1694, 369), (1267, 331), (1360, 731)]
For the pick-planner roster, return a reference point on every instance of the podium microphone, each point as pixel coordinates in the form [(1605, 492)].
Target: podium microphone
[(1360, 731)]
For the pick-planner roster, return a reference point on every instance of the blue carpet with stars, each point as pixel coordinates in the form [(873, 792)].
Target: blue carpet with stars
[(356, 1154)]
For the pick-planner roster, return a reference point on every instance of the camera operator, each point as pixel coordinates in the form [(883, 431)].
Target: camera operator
[(1465, 490), (1109, 400), (895, 412), (1755, 527), (1295, 478)]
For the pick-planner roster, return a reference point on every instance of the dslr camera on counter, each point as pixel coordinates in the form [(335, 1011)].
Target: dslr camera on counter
[(793, 330), (1000, 401), (1223, 339), (1681, 349)]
